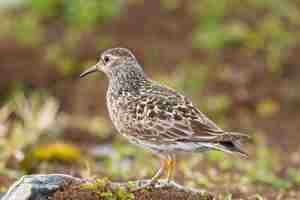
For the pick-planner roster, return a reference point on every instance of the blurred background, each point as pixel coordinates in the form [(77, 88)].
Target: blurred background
[(238, 61)]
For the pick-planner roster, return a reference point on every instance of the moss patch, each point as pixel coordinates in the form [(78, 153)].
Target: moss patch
[(102, 189)]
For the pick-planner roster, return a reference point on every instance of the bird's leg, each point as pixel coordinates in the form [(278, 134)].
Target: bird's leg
[(167, 163), (163, 164), (171, 167)]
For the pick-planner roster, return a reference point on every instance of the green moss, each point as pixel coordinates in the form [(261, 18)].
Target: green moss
[(97, 184), (103, 190), (123, 194), (107, 195), (132, 184)]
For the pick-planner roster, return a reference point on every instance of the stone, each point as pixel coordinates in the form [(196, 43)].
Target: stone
[(65, 187), (36, 187)]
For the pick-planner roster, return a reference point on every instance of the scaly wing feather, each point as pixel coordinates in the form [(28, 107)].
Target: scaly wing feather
[(168, 116)]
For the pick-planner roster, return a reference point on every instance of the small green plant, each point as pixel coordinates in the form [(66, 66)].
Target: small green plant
[(107, 195), (103, 190), (98, 184), (132, 184), (123, 194)]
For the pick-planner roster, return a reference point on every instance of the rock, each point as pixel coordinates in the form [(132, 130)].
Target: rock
[(36, 187), (1, 194), (64, 187)]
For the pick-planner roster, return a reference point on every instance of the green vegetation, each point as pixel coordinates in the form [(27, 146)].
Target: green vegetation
[(77, 13), (104, 191)]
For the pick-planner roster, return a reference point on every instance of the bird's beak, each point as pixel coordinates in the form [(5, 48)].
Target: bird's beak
[(92, 69)]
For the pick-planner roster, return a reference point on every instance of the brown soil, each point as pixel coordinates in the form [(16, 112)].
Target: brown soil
[(76, 191)]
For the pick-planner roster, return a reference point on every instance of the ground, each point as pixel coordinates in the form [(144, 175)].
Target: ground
[(100, 189)]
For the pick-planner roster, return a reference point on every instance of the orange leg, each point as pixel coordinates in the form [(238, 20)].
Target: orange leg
[(167, 164), (163, 165), (171, 167)]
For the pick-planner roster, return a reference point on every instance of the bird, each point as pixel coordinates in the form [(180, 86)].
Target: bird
[(156, 117)]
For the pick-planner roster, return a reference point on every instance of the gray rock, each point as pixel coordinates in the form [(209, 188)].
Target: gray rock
[(36, 187), (2, 194)]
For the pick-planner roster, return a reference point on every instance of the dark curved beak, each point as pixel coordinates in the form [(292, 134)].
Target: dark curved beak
[(89, 71)]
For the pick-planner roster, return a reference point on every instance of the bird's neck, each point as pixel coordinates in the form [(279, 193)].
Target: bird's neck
[(128, 82)]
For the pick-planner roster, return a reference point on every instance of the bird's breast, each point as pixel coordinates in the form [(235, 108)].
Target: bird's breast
[(121, 108)]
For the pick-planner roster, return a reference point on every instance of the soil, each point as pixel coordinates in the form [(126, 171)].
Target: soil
[(76, 191)]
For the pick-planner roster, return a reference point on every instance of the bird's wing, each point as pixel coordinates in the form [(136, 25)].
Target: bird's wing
[(168, 116)]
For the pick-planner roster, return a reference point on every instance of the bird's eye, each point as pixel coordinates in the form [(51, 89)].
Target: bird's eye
[(106, 59)]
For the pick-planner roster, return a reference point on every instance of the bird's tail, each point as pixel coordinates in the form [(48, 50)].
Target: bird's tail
[(231, 143)]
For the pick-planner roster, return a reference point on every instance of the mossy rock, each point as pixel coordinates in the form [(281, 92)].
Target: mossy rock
[(102, 189), (64, 187)]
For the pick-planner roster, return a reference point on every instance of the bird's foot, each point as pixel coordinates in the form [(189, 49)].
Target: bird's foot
[(146, 184), (169, 181)]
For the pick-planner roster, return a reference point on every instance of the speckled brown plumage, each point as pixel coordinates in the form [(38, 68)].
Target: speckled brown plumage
[(156, 117)]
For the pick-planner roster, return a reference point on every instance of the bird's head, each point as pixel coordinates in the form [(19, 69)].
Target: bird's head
[(113, 62)]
